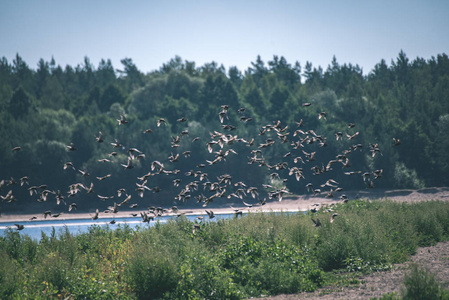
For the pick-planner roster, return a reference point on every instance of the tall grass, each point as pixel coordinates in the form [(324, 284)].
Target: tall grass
[(261, 253)]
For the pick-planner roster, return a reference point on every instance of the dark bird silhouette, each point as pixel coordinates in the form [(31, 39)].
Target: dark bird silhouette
[(196, 227), (129, 165), (47, 213), (84, 173), (112, 209), (71, 147), (132, 152), (69, 164), (121, 191), (57, 215), (247, 204), (73, 206), (99, 138), (317, 222), (377, 173), (338, 135), (222, 115), (350, 137), (333, 217), (146, 218), (330, 183), (210, 214), (125, 201), (95, 216), (374, 149), (104, 177), (59, 198), (24, 180), (122, 120), (19, 226), (237, 212), (116, 144), (90, 189)]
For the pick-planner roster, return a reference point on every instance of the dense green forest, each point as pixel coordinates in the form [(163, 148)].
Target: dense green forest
[(400, 112)]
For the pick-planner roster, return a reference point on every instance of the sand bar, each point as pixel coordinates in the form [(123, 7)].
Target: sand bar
[(288, 204)]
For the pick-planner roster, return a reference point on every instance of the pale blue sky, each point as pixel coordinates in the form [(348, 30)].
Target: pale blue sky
[(230, 32)]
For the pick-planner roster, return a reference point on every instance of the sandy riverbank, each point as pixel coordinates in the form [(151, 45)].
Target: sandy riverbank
[(291, 203)]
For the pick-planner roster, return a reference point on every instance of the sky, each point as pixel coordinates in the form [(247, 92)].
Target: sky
[(231, 33)]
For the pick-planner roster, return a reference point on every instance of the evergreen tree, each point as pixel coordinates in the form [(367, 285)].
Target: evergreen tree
[(20, 103)]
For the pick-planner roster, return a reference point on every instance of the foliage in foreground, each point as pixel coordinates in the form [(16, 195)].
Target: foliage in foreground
[(262, 253)]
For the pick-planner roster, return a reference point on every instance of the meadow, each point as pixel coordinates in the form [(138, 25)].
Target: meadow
[(259, 254)]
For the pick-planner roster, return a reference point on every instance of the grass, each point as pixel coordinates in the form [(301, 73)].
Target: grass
[(259, 254)]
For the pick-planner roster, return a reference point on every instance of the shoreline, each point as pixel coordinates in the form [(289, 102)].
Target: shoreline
[(292, 203), (8, 218)]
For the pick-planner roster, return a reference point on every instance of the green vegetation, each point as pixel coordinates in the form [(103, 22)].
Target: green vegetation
[(259, 254), (419, 284)]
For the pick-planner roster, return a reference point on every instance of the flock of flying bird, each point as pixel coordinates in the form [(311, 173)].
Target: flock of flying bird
[(199, 184)]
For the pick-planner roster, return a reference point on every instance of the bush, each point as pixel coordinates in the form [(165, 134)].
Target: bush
[(201, 277), (9, 277), (150, 270), (270, 267), (351, 236), (431, 221), (53, 269), (420, 284), (19, 247)]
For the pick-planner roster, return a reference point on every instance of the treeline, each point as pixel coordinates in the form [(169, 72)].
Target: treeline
[(45, 109)]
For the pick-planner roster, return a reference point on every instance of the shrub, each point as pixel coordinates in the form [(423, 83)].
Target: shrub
[(53, 269), (9, 277), (19, 247), (270, 267), (150, 270), (201, 277), (420, 284), (431, 221), (351, 236)]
